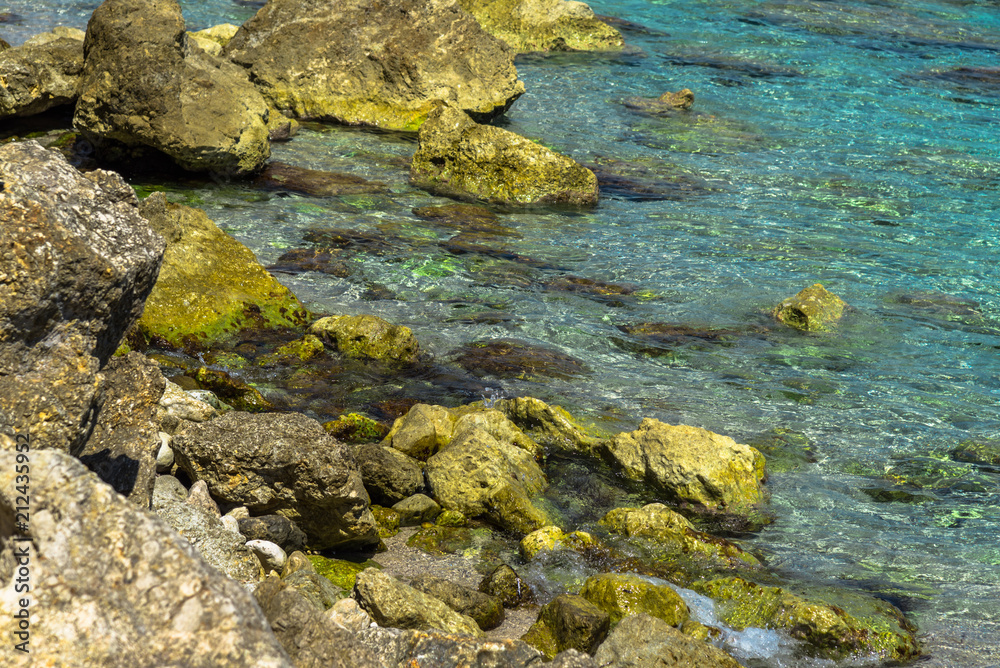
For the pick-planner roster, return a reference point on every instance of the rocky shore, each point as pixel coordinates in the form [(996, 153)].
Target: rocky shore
[(157, 510)]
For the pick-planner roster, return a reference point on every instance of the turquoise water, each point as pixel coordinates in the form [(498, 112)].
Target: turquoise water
[(832, 142)]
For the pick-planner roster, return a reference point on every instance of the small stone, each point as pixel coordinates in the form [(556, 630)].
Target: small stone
[(348, 615), (239, 513), (271, 557), (230, 523), (165, 455), (200, 498), (297, 561), (451, 518)]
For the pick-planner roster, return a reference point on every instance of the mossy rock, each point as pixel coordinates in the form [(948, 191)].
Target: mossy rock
[(294, 352), (568, 622), (855, 625), (621, 595), (211, 287), (387, 520), (813, 309), (368, 336), (544, 25), (983, 451), (785, 449), (356, 428), (340, 572), (552, 426), (452, 519), (508, 358), (441, 540), (233, 391), (552, 538)]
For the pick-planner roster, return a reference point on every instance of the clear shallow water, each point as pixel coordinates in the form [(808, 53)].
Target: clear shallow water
[(830, 142)]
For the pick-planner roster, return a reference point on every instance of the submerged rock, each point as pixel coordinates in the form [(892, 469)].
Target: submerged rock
[(568, 622), (385, 64), (851, 625), (113, 585), (78, 263), (368, 336), (282, 176), (146, 85), (690, 465), (42, 73), (235, 392), (813, 309), (392, 603), (211, 286), (544, 25), (643, 641), (458, 157), (984, 451), (467, 218), (667, 103), (284, 464), (508, 358)]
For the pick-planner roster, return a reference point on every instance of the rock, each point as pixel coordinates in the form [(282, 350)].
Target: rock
[(199, 497), (293, 353), (451, 518), (122, 449), (552, 426), (417, 509), (851, 625), (357, 428), (423, 431), (145, 85), (181, 406), (297, 561), (392, 603), (277, 529), (677, 536), (667, 103), (271, 557), (311, 639), (644, 641), (384, 65), (287, 465), (282, 176), (389, 475), (164, 454), (340, 572), (467, 218), (368, 336), (544, 25), (318, 590), (78, 261), (785, 449), (621, 595), (348, 615), (213, 39), (234, 392), (813, 309), (509, 358), (211, 286), (220, 547), (301, 260), (487, 611), (111, 583), (478, 474), (42, 73), (983, 451), (505, 584), (387, 520), (690, 465), (399, 648), (553, 538), (458, 157), (568, 622), (571, 658)]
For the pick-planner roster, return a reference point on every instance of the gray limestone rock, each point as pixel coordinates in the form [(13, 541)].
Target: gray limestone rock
[(644, 641), (42, 73)]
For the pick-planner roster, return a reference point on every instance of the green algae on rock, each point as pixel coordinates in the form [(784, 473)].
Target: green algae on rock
[(510, 358), (690, 465), (356, 428), (458, 157), (568, 622), (235, 392), (621, 595), (550, 538), (384, 64), (368, 336), (854, 625), (813, 309), (544, 25), (549, 425), (340, 572), (387, 520), (210, 286), (983, 451)]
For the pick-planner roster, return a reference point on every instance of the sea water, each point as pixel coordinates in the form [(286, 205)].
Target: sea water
[(852, 144)]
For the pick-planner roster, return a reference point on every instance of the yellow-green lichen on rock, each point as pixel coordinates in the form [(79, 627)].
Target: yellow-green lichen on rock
[(340, 572), (550, 538), (210, 286), (813, 309), (856, 625), (458, 157), (544, 25), (368, 336), (621, 595)]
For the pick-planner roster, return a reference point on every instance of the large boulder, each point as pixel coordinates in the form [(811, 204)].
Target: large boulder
[(42, 73), (458, 157), (383, 64), (544, 25), (486, 610), (392, 603), (690, 465), (389, 475), (284, 464), (211, 286), (146, 85), (77, 261), (112, 585), (644, 641), (123, 447)]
